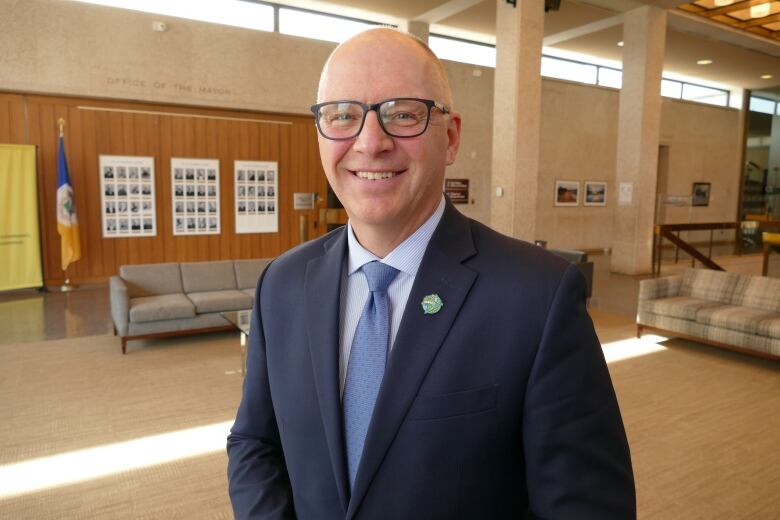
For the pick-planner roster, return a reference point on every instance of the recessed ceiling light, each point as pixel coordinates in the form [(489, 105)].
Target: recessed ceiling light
[(760, 10), (766, 76), (703, 62), (620, 43)]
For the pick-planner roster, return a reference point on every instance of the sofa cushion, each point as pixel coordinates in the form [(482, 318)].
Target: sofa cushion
[(220, 301), (208, 276), (770, 327), (759, 292), (163, 307), (742, 319), (683, 307), (249, 271), (707, 284), (250, 292), (151, 279)]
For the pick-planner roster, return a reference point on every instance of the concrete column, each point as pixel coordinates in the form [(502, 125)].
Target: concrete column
[(639, 125), (419, 29), (517, 102)]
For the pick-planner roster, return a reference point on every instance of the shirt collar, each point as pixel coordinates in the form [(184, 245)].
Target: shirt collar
[(406, 257)]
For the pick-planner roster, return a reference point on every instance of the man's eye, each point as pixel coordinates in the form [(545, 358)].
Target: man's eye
[(403, 117), (340, 117)]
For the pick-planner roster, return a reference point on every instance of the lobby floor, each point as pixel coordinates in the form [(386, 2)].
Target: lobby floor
[(90, 433)]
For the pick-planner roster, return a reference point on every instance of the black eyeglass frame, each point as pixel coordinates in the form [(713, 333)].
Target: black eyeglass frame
[(430, 103)]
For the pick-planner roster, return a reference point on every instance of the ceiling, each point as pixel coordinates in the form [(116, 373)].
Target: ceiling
[(760, 17), (739, 57)]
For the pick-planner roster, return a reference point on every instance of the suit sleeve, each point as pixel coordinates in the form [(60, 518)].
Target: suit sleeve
[(258, 482), (577, 457)]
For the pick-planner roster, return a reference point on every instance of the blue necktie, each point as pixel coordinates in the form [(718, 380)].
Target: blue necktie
[(367, 362)]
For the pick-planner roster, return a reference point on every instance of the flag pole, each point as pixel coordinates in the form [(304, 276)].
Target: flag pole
[(66, 286)]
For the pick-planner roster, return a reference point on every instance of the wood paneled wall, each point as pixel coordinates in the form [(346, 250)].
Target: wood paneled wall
[(97, 127)]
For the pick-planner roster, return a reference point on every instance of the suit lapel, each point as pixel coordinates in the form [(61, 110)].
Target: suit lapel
[(322, 293), (418, 340)]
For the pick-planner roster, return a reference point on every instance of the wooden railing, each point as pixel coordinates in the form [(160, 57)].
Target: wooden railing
[(671, 232)]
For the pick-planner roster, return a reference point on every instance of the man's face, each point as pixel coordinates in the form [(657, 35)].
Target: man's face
[(372, 69)]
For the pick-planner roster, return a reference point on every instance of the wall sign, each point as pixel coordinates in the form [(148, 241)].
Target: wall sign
[(457, 190), (303, 200)]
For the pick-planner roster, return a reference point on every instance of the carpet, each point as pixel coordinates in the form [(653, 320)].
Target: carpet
[(703, 425)]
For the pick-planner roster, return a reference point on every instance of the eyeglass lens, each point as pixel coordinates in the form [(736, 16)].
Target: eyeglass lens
[(399, 118)]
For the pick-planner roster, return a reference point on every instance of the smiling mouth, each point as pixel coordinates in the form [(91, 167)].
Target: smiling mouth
[(376, 176)]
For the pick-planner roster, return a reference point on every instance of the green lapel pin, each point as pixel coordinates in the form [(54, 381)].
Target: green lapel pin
[(432, 304)]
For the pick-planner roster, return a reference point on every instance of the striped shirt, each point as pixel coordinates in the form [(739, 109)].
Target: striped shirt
[(354, 287)]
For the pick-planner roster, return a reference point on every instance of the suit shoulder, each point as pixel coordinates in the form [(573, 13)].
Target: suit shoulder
[(505, 253), (294, 260)]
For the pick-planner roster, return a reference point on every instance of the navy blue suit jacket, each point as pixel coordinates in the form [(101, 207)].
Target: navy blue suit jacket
[(497, 405)]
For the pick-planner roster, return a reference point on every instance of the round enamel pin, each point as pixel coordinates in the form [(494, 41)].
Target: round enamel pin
[(432, 304)]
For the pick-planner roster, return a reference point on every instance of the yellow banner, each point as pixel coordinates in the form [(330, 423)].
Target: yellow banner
[(20, 247)]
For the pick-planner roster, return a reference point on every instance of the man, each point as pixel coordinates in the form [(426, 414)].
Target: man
[(416, 364)]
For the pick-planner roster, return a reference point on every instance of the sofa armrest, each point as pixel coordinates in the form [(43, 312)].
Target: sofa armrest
[(120, 304), (655, 288)]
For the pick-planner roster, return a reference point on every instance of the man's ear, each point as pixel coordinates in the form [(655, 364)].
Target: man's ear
[(453, 137)]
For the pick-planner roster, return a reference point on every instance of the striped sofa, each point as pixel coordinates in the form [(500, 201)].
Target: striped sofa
[(729, 310)]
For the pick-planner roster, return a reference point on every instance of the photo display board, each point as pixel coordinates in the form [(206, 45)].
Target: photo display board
[(127, 196), (256, 194), (195, 196)]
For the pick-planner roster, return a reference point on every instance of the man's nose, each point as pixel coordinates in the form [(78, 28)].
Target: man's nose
[(372, 138)]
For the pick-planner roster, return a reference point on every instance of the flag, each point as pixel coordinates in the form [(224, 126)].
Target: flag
[(67, 223)]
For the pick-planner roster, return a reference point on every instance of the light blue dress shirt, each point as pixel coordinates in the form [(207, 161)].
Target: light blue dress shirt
[(354, 288)]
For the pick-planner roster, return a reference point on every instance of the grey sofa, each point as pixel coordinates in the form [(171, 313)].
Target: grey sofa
[(149, 300), (729, 310)]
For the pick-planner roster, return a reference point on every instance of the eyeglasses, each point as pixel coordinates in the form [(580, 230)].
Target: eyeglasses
[(399, 117)]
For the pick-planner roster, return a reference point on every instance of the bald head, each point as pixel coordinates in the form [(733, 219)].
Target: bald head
[(390, 49)]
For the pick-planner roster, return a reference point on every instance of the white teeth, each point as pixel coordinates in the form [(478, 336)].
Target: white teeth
[(375, 176)]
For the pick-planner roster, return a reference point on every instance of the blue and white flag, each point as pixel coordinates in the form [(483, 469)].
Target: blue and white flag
[(67, 223)]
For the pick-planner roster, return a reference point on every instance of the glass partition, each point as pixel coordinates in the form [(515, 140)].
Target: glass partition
[(760, 197)]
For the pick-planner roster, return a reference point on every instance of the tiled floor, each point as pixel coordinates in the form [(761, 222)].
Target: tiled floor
[(31, 315)]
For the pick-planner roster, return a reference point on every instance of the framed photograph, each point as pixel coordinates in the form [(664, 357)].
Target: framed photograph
[(255, 196), (700, 194), (567, 193), (595, 193), (195, 188), (132, 196)]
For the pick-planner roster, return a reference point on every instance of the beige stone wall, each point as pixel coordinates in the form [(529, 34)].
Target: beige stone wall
[(472, 90), (578, 142), (579, 139), (703, 147), (703, 144), (61, 47)]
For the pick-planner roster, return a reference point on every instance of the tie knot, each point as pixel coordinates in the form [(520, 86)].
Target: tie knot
[(379, 275)]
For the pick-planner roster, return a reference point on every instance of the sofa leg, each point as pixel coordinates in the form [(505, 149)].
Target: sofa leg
[(639, 331), (114, 327), (124, 345)]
